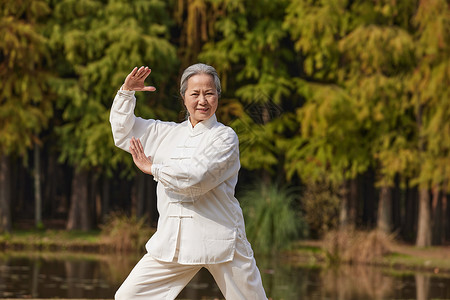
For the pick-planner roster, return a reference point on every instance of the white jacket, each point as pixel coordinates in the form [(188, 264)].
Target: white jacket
[(197, 170)]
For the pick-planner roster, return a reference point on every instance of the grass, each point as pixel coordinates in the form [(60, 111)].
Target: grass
[(51, 240), (408, 262), (75, 235)]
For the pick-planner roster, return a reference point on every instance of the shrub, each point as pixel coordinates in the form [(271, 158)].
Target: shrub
[(352, 246), (271, 222), (124, 233)]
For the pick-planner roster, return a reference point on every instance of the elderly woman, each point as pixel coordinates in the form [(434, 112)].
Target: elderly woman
[(196, 165)]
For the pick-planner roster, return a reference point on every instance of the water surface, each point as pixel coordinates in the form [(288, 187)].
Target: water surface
[(60, 275)]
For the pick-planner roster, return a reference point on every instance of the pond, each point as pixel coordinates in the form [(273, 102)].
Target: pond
[(66, 276)]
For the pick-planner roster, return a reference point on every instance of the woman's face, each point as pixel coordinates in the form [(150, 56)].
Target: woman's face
[(201, 98)]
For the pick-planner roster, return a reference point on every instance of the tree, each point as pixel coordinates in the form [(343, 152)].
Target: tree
[(25, 105), (430, 93), (247, 49), (378, 84), (97, 44), (356, 114), (331, 145)]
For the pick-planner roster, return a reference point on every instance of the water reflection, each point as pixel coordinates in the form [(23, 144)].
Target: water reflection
[(43, 277), (31, 275), (358, 282)]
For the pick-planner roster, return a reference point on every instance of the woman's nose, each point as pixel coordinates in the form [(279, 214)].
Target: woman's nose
[(202, 99)]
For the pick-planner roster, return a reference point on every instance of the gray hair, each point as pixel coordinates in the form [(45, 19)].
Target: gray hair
[(199, 69)]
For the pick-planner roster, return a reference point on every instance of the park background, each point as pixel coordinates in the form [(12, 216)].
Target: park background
[(342, 108)]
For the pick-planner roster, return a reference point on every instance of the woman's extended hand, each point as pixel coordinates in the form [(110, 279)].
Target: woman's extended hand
[(143, 162), (135, 80)]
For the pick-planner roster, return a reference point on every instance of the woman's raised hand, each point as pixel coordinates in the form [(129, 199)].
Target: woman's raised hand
[(135, 80), (143, 162)]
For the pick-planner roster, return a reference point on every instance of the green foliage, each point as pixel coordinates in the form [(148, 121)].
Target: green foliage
[(318, 91), (314, 27), (332, 143), (372, 70), (99, 43), (271, 222), (25, 103), (256, 144), (430, 93), (251, 52)]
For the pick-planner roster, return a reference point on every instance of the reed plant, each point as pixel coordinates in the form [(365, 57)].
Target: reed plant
[(272, 223), (125, 233), (348, 245)]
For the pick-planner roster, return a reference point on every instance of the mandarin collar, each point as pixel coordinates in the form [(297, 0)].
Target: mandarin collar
[(202, 126)]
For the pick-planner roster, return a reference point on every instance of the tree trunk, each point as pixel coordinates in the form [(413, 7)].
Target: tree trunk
[(398, 209), (37, 187), (436, 216), (140, 194), (5, 194), (105, 199), (49, 185), (343, 209), (348, 212), (353, 202), (384, 220), (92, 200), (445, 222), (424, 222), (410, 212), (79, 213), (423, 238), (152, 202)]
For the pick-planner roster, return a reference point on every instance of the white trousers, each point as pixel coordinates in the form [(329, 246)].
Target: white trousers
[(238, 279)]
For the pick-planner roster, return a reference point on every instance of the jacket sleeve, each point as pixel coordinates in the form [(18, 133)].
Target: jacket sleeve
[(126, 125), (214, 164)]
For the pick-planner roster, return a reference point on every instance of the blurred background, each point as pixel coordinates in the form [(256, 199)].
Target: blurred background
[(342, 108)]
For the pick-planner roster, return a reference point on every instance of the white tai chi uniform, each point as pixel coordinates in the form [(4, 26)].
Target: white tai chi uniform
[(200, 222)]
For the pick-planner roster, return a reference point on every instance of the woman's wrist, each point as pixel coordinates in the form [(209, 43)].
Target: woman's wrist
[(125, 88)]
